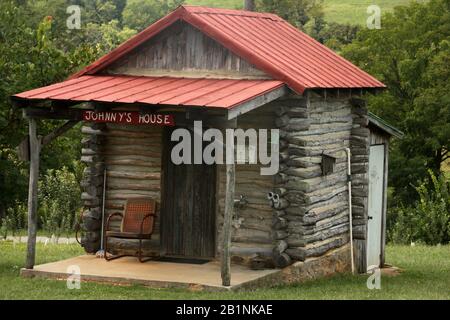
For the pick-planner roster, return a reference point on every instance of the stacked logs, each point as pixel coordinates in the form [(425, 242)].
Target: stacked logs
[(360, 146), (132, 156), (279, 225), (252, 222), (311, 216), (360, 168), (92, 185)]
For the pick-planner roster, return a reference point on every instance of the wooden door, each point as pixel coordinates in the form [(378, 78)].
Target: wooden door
[(375, 212), (188, 224)]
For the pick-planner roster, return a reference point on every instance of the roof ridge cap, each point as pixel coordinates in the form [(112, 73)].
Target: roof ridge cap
[(231, 12)]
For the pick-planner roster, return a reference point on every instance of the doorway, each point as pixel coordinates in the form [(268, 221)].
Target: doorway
[(188, 226), (375, 212)]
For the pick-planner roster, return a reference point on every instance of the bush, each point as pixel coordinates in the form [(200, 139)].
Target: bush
[(60, 201), (15, 219), (428, 221)]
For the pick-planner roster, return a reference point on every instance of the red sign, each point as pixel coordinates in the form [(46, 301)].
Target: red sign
[(126, 117)]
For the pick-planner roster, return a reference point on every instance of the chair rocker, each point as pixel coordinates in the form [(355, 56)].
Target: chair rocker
[(137, 223)]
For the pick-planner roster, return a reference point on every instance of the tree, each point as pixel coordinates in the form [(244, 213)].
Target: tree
[(297, 12), (335, 35), (308, 16), (411, 55), (37, 49), (29, 58), (139, 14)]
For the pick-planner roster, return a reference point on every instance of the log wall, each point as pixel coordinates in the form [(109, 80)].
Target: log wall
[(316, 206), (92, 185), (252, 232), (309, 219), (360, 148), (132, 157)]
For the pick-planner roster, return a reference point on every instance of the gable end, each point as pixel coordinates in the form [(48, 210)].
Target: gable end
[(184, 51)]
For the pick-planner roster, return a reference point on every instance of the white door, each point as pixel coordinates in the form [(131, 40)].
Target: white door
[(375, 212)]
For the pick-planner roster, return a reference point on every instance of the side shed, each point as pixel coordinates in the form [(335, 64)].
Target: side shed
[(380, 135), (228, 69)]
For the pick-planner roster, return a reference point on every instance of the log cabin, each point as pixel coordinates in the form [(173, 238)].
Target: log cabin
[(325, 208)]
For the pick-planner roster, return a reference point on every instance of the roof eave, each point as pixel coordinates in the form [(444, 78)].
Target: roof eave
[(384, 126), (132, 43)]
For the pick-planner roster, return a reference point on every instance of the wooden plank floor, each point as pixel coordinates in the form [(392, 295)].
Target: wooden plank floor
[(129, 270)]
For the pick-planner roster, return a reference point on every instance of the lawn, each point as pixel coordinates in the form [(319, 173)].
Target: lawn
[(342, 11), (355, 11), (426, 276)]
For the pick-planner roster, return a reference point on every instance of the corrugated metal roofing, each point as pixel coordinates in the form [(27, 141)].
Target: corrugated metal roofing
[(265, 40), (222, 93)]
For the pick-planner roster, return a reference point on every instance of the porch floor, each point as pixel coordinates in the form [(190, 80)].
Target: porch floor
[(128, 270)]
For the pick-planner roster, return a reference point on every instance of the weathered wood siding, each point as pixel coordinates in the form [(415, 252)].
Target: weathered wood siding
[(252, 224), (363, 136), (316, 209), (360, 149), (132, 157), (311, 217), (379, 137), (92, 185), (182, 50), (188, 205)]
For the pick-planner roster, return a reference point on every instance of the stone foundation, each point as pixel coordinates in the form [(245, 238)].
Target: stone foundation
[(333, 262)]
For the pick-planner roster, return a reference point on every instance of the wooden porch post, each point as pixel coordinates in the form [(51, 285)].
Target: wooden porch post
[(228, 215), (35, 148)]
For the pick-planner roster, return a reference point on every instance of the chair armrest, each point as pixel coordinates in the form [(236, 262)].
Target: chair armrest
[(143, 220), (109, 219)]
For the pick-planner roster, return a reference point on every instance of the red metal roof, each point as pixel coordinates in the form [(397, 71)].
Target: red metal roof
[(265, 40), (222, 93)]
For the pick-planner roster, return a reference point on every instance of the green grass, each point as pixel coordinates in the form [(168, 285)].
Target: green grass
[(355, 11), (342, 11), (40, 233), (426, 276)]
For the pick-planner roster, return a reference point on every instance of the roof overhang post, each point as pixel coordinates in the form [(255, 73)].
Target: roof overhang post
[(35, 149), (228, 216)]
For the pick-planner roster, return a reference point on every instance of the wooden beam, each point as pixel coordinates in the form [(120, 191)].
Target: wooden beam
[(58, 131), (35, 148), (229, 209), (257, 102), (50, 113)]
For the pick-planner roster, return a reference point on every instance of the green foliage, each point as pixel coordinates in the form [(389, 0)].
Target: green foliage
[(343, 12), (428, 221), (60, 201), (107, 36), (335, 35), (30, 56), (13, 180), (139, 14), (297, 12), (37, 49), (308, 15), (15, 219), (410, 54)]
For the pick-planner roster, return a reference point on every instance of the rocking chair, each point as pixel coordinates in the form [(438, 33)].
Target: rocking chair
[(137, 223)]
